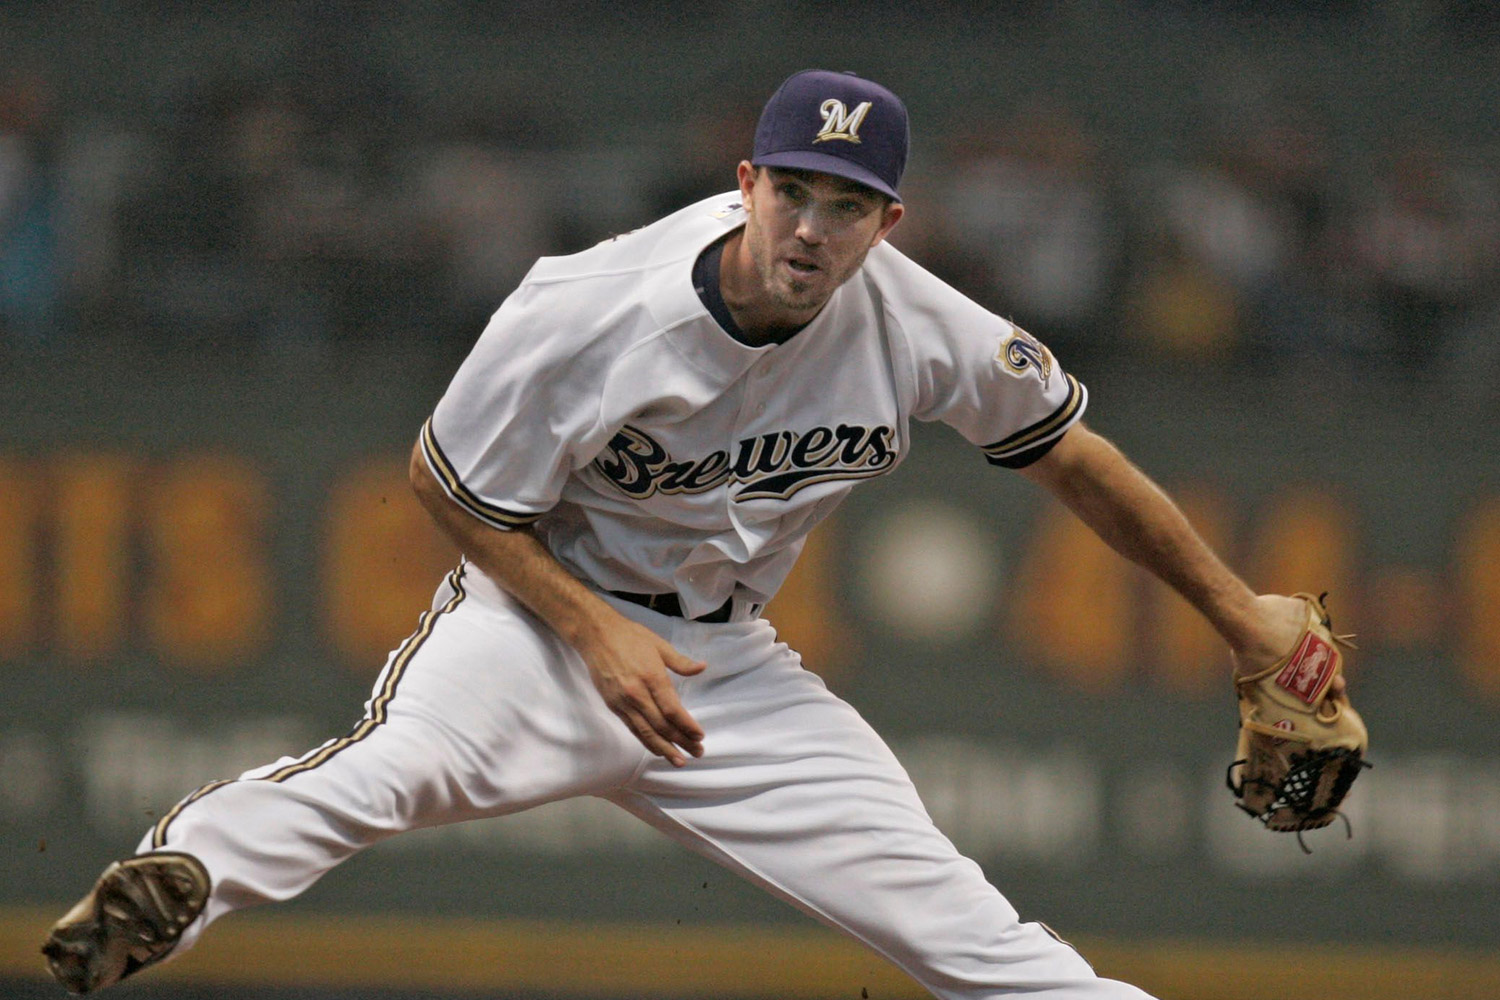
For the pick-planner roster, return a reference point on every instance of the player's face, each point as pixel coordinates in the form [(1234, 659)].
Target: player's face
[(807, 233)]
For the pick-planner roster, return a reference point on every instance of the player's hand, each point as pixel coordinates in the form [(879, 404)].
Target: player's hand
[(628, 664), (1279, 623)]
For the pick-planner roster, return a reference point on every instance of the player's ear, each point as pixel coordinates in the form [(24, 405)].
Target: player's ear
[(747, 175), (890, 215)]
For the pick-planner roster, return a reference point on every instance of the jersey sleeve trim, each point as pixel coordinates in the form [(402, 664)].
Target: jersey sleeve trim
[(492, 514), (1030, 443)]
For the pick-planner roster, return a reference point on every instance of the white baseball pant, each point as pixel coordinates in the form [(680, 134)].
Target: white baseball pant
[(484, 711)]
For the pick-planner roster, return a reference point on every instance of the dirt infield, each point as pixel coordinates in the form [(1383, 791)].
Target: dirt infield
[(332, 957)]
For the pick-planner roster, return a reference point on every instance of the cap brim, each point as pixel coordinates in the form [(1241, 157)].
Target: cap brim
[(823, 163)]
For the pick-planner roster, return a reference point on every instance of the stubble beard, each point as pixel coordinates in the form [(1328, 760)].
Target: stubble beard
[(789, 293)]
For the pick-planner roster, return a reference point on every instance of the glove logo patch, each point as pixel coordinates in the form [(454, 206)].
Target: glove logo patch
[(1309, 669)]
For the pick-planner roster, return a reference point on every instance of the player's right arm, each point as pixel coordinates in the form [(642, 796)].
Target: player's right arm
[(627, 662), (524, 409)]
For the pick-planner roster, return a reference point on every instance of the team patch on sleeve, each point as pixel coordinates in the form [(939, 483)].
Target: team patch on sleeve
[(1032, 442), (491, 514), (1021, 353)]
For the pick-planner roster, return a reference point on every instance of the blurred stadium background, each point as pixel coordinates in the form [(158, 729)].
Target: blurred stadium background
[(243, 245)]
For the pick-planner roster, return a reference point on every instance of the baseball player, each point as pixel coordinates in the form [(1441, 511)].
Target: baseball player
[(630, 460)]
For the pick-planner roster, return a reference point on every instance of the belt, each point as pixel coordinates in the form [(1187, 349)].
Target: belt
[(670, 604)]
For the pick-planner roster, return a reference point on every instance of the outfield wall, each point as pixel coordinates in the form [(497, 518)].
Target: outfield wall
[(203, 560)]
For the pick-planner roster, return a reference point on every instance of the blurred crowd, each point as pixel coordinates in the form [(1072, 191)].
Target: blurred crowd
[(275, 214)]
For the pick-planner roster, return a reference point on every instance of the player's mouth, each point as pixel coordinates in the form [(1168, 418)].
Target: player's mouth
[(802, 266)]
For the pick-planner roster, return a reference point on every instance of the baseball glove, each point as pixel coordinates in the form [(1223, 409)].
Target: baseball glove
[(1300, 746)]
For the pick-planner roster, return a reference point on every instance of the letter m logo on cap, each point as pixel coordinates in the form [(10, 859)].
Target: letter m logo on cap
[(839, 122)]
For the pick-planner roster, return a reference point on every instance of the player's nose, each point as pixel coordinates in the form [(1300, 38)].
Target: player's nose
[(810, 229)]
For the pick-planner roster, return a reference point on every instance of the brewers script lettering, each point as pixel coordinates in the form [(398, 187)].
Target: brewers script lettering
[(768, 466)]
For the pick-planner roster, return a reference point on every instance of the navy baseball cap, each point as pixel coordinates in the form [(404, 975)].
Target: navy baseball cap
[(835, 123)]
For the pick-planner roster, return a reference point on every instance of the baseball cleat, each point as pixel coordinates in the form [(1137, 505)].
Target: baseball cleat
[(132, 918)]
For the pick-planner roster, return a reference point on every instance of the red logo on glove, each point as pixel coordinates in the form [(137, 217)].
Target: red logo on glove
[(1309, 670)]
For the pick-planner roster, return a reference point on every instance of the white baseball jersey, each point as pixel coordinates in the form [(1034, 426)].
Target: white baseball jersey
[(656, 453)]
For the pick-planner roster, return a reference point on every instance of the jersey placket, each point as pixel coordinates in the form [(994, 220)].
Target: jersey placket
[(757, 385)]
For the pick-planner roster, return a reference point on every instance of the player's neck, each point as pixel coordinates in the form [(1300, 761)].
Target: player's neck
[(760, 317)]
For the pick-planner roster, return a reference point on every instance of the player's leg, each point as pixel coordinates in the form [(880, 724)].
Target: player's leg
[(481, 712), (799, 795)]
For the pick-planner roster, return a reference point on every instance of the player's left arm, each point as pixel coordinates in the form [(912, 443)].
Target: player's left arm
[(1137, 518)]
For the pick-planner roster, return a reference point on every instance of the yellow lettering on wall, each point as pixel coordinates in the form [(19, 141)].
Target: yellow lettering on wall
[(1074, 603), (383, 559), (208, 597), (806, 611), (19, 567), (91, 494), (1479, 597), (1183, 651)]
